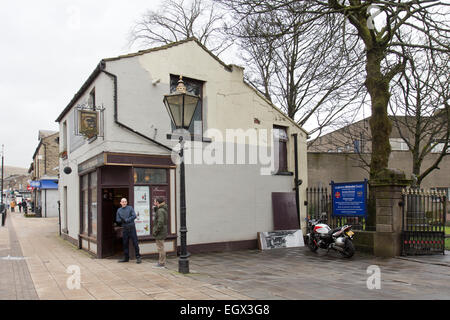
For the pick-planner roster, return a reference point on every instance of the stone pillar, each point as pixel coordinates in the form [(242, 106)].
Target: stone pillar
[(387, 191)]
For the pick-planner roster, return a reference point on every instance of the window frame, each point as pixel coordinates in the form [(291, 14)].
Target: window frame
[(86, 230), (401, 141), (152, 213), (282, 141)]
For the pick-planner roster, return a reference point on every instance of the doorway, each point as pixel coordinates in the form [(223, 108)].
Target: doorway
[(111, 233)]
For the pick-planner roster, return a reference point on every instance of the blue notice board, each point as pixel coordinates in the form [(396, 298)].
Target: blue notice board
[(349, 199)]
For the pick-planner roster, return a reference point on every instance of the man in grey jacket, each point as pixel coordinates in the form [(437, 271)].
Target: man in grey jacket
[(125, 216)]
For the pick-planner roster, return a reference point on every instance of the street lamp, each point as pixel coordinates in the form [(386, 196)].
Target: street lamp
[(181, 107)]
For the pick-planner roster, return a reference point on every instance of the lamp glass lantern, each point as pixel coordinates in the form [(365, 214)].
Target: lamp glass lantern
[(181, 106)]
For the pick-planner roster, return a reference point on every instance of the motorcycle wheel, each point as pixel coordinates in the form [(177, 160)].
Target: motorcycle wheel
[(311, 245), (349, 249)]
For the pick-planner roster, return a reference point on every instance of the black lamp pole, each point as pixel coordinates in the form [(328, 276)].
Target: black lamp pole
[(181, 106), (183, 262)]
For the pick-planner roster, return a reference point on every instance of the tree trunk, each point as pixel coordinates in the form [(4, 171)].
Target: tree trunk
[(378, 87)]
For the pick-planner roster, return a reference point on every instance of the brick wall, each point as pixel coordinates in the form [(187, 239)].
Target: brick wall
[(46, 161)]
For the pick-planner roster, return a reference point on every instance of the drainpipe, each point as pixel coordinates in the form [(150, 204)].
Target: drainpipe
[(59, 216), (45, 158), (116, 120), (297, 182)]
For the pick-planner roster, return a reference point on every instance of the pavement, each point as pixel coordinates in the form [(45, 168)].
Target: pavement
[(41, 266)]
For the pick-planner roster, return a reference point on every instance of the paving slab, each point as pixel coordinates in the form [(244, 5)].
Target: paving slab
[(297, 273), (280, 274), (15, 279), (42, 273)]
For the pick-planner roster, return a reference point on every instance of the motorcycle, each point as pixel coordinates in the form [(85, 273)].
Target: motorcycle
[(320, 235)]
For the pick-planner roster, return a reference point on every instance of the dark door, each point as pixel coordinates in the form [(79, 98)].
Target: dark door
[(111, 237), (285, 216)]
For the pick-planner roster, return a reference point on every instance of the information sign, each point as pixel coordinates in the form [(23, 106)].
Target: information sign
[(349, 198)]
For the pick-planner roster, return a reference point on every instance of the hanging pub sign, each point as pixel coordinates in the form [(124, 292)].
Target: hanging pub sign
[(88, 123), (349, 199)]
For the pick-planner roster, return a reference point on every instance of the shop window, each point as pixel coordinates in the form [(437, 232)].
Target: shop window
[(194, 87), (93, 204), (150, 176), (150, 184), (89, 204), (84, 204)]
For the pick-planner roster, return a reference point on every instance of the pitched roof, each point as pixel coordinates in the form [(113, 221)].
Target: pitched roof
[(101, 66), (167, 46), (45, 133)]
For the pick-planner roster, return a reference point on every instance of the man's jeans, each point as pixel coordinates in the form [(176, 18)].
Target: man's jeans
[(129, 233)]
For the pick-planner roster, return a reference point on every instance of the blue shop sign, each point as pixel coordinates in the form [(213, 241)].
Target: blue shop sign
[(349, 199), (35, 184), (44, 184), (49, 184)]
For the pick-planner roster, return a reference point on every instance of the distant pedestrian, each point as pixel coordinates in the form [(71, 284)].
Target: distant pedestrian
[(19, 204), (25, 206), (13, 205), (125, 216), (160, 229)]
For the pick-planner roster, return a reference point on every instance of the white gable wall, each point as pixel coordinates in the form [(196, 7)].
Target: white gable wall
[(224, 202)]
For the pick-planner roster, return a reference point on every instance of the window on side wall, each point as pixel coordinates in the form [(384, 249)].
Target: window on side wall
[(280, 135), (91, 101), (439, 147), (398, 144), (194, 87), (357, 146)]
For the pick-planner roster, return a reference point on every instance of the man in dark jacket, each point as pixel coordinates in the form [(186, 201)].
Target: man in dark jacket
[(25, 206), (160, 230), (125, 216)]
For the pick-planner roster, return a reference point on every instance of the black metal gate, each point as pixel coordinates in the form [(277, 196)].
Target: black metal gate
[(424, 215)]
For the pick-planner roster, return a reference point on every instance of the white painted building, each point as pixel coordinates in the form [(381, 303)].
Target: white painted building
[(228, 194)]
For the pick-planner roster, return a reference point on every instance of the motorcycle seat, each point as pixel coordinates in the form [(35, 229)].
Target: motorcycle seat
[(334, 230)]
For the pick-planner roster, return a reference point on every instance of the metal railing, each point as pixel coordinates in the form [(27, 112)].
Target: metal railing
[(423, 221), (319, 201)]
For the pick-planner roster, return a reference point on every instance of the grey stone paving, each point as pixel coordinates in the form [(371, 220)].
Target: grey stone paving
[(15, 279), (286, 274), (297, 273)]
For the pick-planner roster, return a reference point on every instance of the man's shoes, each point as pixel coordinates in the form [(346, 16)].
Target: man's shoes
[(123, 260), (138, 260), (159, 265)]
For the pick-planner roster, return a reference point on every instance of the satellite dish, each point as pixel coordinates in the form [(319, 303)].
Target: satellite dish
[(67, 170)]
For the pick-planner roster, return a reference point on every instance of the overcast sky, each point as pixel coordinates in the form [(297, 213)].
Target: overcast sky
[(49, 48)]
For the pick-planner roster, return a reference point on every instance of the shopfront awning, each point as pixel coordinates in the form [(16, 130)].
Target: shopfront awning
[(49, 184)]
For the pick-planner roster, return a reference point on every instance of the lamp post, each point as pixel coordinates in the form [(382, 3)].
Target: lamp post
[(181, 107)]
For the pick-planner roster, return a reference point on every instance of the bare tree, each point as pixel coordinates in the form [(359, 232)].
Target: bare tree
[(304, 72), (384, 28), (421, 108), (177, 20)]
